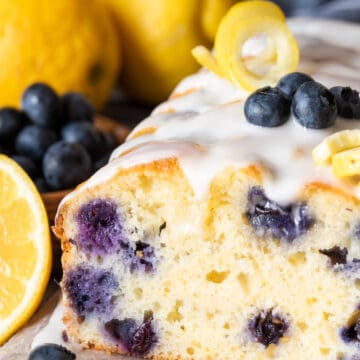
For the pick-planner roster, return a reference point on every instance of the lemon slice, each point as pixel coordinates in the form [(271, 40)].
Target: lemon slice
[(346, 163), (25, 248), (244, 21), (337, 142)]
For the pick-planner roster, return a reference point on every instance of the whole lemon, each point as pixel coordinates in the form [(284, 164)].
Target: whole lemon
[(72, 45), (158, 37)]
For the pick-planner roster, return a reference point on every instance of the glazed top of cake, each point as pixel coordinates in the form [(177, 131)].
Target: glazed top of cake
[(204, 127)]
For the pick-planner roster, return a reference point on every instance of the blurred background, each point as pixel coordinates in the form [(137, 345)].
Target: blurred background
[(347, 10), (137, 104), (124, 56)]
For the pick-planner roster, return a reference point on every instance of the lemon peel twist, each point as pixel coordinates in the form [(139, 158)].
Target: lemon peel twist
[(244, 21)]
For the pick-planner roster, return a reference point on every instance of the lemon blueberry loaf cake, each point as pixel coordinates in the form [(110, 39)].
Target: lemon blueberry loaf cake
[(213, 234)]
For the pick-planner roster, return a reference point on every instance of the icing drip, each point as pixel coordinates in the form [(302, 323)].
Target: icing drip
[(204, 127)]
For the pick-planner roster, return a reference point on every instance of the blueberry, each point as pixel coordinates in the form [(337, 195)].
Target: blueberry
[(108, 141), (107, 144), (11, 121), (41, 185), (314, 106), (267, 328), (266, 216), (33, 141), (143, 339), (357, 231), (347, 101), (7, 147), (140, 257), (27, 164), (100, 229), (65, 165), (75, 107), (41, 104), (90, 290), (289, 83), (267, 107), (336, 255), (51, 352), (136, 339), (351, 267), (100, 232), (84, 134), (122, 331), (351, 333), (100, 162)]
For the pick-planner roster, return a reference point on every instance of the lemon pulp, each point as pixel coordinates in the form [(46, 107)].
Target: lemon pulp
[(25, 248)]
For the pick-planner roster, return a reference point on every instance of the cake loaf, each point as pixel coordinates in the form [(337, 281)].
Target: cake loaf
[(208, 237)]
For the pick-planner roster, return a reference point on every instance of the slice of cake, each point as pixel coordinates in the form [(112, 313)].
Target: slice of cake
[(209, 237)]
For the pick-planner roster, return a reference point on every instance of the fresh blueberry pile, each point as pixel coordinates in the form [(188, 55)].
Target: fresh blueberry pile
[(312, 104), (53, 138)]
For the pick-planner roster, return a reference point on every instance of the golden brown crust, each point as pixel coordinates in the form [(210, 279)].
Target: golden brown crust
[(316, 187), (253, 171)]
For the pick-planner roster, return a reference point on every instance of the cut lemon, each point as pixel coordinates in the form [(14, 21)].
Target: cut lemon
[(277, 55), (346, 163), (25, 248), (337, 142)]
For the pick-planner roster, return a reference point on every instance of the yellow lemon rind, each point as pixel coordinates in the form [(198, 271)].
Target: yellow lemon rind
[(204, 57), (36, 285), (346, 163), (232, 36), (337, 142)]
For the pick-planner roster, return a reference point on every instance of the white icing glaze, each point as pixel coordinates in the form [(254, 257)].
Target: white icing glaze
[(207, 110)]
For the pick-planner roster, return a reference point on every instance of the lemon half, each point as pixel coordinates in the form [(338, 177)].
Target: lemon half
[(25, 248)]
